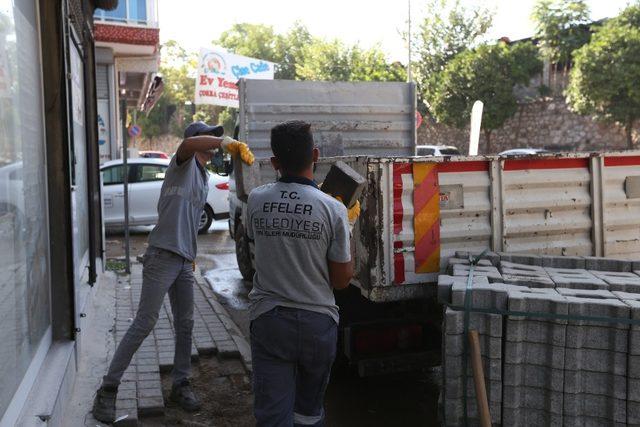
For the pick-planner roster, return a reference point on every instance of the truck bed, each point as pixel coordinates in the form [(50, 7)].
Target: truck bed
[(418, 211)]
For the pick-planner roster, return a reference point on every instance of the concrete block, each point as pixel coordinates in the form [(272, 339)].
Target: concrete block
[(633, 413), (455, 365), (597, 337), (489, 296), (529, 417), (344, 181), (455, 389), (620, 281), (634, 390), (525, 275), (634, 366), (522, 267), (491, 273), (538, 302), (535, 376), (532, 398), (463, 261), (600, 383), (490, 347), (492, 257), (575, 278), (596, 360), (521, 258), (485, 324), (592, 307), (586, 293), (607, 264), (595, 406), (543, 332), (563, 261), (445, 283), (623, 296), (534, 354)]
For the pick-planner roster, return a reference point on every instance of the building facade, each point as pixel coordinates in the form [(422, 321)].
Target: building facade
[(51, 239), (127, 59)]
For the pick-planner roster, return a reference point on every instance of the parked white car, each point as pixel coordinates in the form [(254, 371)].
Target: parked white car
[(436, 150), (145, 181), (523, 152)]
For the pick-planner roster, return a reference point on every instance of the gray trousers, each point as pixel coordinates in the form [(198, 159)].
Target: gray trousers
[(163, 271)]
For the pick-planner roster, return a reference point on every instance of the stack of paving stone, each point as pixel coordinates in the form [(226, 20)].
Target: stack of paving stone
[(541, 366)]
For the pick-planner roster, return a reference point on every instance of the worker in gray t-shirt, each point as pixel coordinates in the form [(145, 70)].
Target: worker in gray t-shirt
[(169, 263), (302, 253)]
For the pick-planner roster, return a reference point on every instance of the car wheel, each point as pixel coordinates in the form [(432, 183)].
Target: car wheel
[(205, 220), (243, 254)]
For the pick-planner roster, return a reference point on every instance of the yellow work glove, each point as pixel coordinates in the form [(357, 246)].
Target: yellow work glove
[(232, 146), (353, 212)]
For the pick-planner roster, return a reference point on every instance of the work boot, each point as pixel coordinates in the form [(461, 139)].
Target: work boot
[(104, 405), (183, 395)]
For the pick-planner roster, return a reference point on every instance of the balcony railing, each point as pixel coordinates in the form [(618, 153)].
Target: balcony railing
[(131, 12)]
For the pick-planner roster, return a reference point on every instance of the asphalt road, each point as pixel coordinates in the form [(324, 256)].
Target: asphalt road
[(402, 400)]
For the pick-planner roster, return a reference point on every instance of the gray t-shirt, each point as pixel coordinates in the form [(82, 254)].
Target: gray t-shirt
[(182, 198), (296, 229)]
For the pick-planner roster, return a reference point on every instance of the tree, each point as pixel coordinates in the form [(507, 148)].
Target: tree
[(290, 48), (448, 29), (488, 73), (606, 72), (561, 28)]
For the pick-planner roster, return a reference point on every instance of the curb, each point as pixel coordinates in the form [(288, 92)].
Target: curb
[(236, 334)]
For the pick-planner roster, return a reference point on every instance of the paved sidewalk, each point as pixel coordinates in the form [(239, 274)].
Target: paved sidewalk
[(140, 394)]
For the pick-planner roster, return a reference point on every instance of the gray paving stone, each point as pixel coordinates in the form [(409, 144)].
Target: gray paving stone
[(542, 332), (492, 257), (520, 258), (607, 264), (579, 406), (563, 261), (575, 278), (485, 324), (596, 360), (597, 337), (532, 398), (486, 296), (581, 382), (525, 275), (600, 308), (529, 417), (445, 282), (490, 273), (534, 354)]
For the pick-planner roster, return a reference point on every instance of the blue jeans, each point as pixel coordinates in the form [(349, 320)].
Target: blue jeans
[(292, 352)]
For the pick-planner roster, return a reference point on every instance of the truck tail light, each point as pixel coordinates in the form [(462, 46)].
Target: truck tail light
[(222, 186)]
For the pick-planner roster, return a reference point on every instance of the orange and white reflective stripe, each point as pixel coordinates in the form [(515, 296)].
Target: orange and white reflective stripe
[(426, 208)]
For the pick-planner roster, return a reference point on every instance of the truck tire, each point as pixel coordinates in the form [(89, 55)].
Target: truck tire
[(243, 253)]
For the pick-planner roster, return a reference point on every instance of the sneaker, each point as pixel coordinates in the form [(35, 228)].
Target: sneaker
[(104, 405), (183, 395)]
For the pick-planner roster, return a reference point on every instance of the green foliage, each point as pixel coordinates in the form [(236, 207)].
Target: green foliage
[(488, 73), (558, 26), (606, 72), (448, 29)]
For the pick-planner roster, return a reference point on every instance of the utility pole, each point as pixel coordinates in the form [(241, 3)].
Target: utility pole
[(409, 76)]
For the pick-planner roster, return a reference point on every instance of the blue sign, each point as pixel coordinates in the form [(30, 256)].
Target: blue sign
[(135, 130)]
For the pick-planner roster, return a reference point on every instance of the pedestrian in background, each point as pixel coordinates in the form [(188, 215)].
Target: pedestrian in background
[(302, 253), (169, 263)]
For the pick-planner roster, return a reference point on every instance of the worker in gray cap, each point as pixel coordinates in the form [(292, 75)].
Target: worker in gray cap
[(169, 264)]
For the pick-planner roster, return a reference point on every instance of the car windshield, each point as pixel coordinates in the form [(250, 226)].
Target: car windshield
[(449, 151)]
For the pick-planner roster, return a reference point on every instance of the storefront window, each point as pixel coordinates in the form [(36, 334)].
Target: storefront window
[(25, 314)]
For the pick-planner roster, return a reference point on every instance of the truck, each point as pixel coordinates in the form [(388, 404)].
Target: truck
[(419, 211)]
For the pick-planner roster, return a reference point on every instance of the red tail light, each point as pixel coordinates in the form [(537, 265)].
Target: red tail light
[(222, 186)]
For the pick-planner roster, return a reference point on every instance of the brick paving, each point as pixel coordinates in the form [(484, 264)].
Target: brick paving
[(140, 393)]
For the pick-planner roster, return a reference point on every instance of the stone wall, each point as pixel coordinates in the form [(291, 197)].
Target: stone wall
[(544, 123)]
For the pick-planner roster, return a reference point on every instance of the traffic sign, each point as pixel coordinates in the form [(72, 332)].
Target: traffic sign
[(135, 130)]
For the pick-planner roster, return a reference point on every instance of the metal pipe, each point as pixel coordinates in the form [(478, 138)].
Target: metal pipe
[(123, 113)]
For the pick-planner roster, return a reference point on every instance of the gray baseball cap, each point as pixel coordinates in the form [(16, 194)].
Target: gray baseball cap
[(201, 128)]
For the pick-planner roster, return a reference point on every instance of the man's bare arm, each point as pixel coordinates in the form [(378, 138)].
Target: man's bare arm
[(200, 143), (340, 274)]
